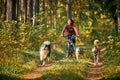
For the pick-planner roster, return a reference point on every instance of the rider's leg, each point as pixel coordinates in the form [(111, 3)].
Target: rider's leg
[(66, 49), (73, 45), (67, 46)]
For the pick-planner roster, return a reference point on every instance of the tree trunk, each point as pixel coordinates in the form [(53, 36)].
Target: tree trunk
[(43, 9), (43, 5), (55, 17), (51, 12), (5, 9), (9, 10), (17, 12), (69, 10), (117, 20), (1, 9), (14, 9), (24, 10), (37, 9), (37, 6), (30, 10), (118, 24), (34, 12), (55, 12)]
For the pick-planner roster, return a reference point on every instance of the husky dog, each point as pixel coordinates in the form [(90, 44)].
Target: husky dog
[(96, 51), (78, 51), (45, 52)]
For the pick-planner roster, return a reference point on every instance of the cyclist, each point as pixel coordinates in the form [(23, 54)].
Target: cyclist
[(70, 31)]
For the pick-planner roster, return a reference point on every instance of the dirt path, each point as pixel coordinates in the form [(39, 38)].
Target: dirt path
[(94, 72), (37, 73)]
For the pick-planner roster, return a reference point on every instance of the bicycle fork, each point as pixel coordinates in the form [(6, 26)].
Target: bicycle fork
[(70, 49)]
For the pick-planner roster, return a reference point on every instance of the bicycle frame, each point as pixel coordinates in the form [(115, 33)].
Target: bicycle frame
[(70, 47)]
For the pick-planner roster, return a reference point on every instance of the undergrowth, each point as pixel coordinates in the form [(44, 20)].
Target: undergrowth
[(112, 59)]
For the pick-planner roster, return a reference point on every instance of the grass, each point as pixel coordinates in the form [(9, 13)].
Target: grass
[(14, 65), (66, 69)]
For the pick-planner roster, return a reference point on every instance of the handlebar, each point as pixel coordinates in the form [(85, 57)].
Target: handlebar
[(73, 36)]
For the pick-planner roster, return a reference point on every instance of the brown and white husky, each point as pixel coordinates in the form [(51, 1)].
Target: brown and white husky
[(96, 52)]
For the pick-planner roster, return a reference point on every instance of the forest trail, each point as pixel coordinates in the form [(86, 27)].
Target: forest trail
[(94, 72), (37, 73)]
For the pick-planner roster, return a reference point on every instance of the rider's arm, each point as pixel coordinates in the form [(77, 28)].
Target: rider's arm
[(76, 32), (62, 34)]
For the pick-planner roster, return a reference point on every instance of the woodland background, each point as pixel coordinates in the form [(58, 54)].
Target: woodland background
[(25, 24)]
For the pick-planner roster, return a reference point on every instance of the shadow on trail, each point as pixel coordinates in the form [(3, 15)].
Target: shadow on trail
[(65, 75), (113, 77), (8, 77)]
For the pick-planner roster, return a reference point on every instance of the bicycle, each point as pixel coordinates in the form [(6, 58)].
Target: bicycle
[(70, 45)]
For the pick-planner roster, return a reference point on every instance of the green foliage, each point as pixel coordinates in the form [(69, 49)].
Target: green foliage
[(112, 59), (13, 41)]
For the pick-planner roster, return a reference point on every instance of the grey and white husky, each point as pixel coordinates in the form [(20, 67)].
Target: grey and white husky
[(45, 51)]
